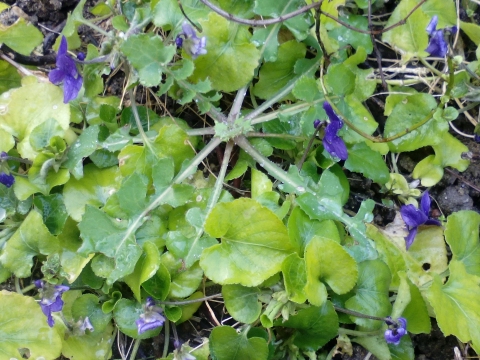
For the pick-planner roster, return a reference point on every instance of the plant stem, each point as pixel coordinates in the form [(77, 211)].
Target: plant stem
[(166, 342), (94, 27), (136, 345), (192, 301), (280, 94), (342, 331)]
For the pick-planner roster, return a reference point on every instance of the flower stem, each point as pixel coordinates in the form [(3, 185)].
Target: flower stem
[(192, 301), (136, 345), (166, 342)]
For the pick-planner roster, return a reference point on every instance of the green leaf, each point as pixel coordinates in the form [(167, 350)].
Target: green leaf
[(231, 59), (323, 208), (125, 313), (344, 36), (295, 278), (448, 152), (73, 264), (149, 56), (89, 305), (42, 134), (273, 76), (410, 39), (226, 344), (29, 106), (328, 262), (91, 346), (23, 312), (456, 304), (53, 211), (368, 162), (84, 146), (461, 234), (22, 37), (377, 345), (371, 293), (9, 77), (242, 302), (170, 142), (353, 109), (266, 38), (429, 249), (301, 229), (315, 326), (158, 286), (389, 253), (189, 309), (445, 10), (298, 25), (472, 30), (31, 239), (254, 243), (100, 233), (96, 186), (410, 111), (184, 281), (146, 267), (414, 310), (167, 14)]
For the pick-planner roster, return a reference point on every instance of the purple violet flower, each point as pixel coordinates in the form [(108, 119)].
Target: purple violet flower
[(437, 46), (395, 331), (316, 123), (331, 141), (151, 318), (67, 72), (85, 325), (51, 298), (7, 179), (476, 138), (191, 43), (414, 217)]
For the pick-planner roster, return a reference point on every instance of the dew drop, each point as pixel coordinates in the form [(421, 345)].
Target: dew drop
[(3, 109), (55, 107), (199, 198), (300, 189)]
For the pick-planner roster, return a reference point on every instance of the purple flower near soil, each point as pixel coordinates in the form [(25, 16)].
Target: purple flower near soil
[(476, 138), (395, 331), (414, 217), (151, 318), (191, 43), (437, 46), (7, 179), (67, 73), (331, 141), (51, 298)]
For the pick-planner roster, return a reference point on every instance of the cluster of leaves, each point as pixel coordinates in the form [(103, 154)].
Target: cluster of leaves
[(108, 197)]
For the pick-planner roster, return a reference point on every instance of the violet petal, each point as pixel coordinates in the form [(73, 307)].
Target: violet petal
[(412, 216), (410, 237)]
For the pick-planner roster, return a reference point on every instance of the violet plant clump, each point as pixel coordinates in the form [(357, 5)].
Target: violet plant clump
[(151, 318), (333, 143), (190, 42), (51, 300), (414, 217), (396, 330), (66, 71)]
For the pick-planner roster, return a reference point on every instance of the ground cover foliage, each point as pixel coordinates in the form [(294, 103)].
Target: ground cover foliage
[(120, 218)]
